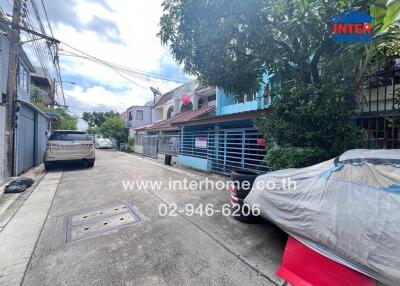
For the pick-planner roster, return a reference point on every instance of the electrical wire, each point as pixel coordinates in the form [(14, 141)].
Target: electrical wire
[(47, 18), (124, 68), (47, 53), (120, 72)]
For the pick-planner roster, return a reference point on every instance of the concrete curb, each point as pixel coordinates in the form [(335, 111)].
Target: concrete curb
[(11, 203), (19, 236), (178, 169)]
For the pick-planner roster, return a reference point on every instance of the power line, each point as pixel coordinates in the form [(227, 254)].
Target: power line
[(47, 53), (48, 56), (116, 71), (47, 18), (119, 71), (124, 68)]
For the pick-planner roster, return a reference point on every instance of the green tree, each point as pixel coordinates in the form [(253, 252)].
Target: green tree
[(65, 120), (93, 130), (312, 115), (114, 127), (96, 119), (233, 43), (36, 94), (89, 118)]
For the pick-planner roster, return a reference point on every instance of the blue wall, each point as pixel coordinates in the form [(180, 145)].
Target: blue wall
[(227, 105), (193, 162)]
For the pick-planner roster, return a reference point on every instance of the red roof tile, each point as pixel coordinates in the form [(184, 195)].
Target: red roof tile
[(252, 114), (143, 127)]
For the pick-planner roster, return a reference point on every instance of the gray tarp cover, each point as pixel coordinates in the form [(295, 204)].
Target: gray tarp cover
[(347, 209)]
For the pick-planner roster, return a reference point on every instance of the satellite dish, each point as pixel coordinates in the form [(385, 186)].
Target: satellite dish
[(155, 91)]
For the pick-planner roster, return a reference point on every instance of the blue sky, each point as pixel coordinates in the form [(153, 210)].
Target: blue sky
[(118, 31)]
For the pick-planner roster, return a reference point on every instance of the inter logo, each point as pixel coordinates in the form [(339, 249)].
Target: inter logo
[(352, 26)]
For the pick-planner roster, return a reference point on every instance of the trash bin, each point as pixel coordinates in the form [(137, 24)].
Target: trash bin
[(168, 159)]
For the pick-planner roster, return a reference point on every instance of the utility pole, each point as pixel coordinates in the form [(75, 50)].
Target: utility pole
[(11, 88), (53, 92)]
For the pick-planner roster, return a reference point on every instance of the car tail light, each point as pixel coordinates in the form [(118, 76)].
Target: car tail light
[(53, 146), (88, 146), (234, 200)]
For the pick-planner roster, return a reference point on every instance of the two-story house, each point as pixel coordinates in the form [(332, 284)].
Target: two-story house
[(31, 124), (186, 102), (227, 140), (40, 80), (179, 104), (138, 116)]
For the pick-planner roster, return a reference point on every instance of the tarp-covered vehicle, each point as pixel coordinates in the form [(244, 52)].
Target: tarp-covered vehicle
[(347, 209)]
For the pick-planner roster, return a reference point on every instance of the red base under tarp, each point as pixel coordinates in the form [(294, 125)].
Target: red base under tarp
[(302, 266)]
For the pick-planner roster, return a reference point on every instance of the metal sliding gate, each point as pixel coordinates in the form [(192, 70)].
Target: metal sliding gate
[(152, 145), (146, 145), (226, 149), (234, 149)]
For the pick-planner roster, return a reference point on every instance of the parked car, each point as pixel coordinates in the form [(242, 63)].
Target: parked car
[(103, 143), (347, 209), (69, 146)]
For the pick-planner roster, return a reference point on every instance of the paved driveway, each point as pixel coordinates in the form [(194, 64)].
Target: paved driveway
[(157, 250)]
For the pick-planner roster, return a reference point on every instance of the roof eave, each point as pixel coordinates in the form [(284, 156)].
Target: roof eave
[(253, 114)]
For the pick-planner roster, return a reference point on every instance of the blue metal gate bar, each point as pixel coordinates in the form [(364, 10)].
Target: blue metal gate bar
[(227, 149)]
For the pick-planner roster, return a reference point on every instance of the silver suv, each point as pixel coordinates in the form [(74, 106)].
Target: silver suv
[(69, 146)]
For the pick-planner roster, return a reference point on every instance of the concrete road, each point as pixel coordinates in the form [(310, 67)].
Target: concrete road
[(157, 250)]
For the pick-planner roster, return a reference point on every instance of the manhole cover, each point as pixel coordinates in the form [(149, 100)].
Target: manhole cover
[(100, 221)]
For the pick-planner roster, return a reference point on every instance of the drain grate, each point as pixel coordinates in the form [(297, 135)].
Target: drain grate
[(100, 221)]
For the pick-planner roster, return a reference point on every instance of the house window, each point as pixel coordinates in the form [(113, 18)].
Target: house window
[(130, 116), (187, 107), (250, 97), (139, 114), (200, 103), (211, 98), (170, 112), (23, 77), (267, 96), (246, 98)]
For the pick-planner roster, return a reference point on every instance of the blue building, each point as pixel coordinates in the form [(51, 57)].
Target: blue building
[(226, 140)]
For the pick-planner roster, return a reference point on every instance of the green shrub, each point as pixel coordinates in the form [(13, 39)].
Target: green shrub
[(131, 144), (131, 141), (294, 157)]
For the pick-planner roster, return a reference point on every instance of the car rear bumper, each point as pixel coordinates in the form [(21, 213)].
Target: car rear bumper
[(104, 147), (51, 157)]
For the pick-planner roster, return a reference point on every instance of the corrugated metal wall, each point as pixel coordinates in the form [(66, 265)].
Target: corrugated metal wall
[(31, 138), (41, 137), (2, 142), (25, 140)]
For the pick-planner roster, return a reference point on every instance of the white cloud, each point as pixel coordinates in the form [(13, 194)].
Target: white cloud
[(99, 87), (99, 97)]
